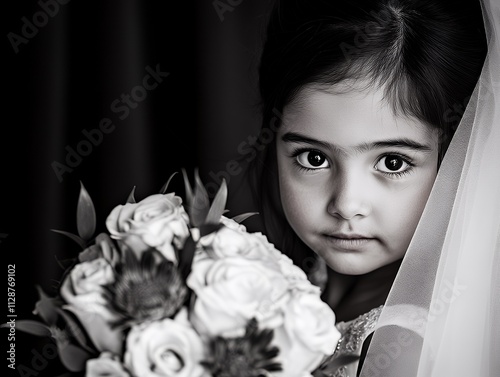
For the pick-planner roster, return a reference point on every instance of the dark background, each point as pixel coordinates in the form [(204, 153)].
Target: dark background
[(62, 81)]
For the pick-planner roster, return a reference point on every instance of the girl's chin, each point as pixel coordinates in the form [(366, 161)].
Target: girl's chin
[(353, 264)]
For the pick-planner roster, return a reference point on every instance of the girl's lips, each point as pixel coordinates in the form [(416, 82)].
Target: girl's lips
[(347, 235), (348, 243)]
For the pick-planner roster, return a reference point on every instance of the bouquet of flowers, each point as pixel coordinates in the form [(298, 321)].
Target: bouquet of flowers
[(182, 290)]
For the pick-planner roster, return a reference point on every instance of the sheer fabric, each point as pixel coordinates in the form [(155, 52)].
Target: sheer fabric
[(447, 291)]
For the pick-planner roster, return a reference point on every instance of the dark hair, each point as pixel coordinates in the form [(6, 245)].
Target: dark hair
[(426, 55)]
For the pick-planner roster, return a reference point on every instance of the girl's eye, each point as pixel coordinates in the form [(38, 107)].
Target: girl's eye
[(312, 160), (394, 165)]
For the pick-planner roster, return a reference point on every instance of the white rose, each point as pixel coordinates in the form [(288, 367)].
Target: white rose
[(227, 222), (233, 241), (165, 348), (106, 365), (230, 223), (83, 287), (307, 336), (232, 290), (296, 277), (158, 221), (102, 247)]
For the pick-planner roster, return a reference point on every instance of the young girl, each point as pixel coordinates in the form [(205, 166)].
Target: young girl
[(363, 98)]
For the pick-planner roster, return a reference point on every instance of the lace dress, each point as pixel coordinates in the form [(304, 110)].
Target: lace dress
[(354, 332)]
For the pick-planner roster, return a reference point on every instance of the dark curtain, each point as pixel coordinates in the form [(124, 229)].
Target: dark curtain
[(114, 95)]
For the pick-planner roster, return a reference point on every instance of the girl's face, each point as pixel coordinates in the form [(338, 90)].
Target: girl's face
[(349, 168)]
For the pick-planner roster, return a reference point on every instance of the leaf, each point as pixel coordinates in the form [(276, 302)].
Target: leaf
[(187, 187), (74, 328), (131, 198), (31, 327), (99, 331), (186, 257), (243, 216), (73, 357), (85, 215), (65, 264), (74, 237), (218, 205), (45, 308), (165, 186), (206, 229), (201, 205)]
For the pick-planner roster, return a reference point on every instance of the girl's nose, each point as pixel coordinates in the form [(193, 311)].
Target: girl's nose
[(350, 194)]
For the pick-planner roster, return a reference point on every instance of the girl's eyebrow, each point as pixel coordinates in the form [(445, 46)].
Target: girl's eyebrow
[(294, 137)]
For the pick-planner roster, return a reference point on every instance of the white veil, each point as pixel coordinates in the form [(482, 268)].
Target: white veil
[(448, 287)]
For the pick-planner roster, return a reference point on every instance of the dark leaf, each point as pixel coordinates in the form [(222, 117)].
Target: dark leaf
[(74, 237), (206, 229), (100, 332), (85, 215), (131, 198), (59, 263), (65, 264), (74, 328), (243, 216), (72, 357), (46, 308), (201, 204), (165, 186), (187, 187), (31, 327), (186, 256), (218, 205)]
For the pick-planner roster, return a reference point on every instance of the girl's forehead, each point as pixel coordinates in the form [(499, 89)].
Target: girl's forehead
[(355, 106), (347, 91), (349, 116)]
